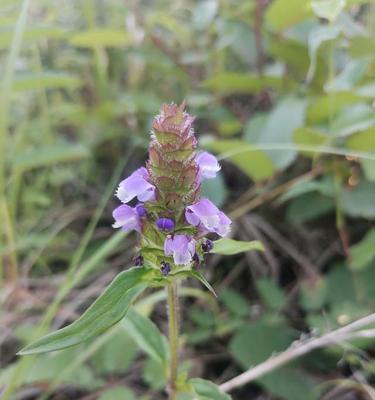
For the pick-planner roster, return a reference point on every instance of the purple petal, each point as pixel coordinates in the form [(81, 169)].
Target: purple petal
[(136, 185), (205, 214), (208, 165), (126, 218), (182, 248)]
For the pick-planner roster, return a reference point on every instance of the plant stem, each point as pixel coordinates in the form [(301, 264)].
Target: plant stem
[(173, 338)]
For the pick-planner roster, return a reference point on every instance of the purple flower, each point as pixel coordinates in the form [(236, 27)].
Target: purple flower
[(136, 185), (207, 216), (141, 211), (165, 268), (208, 165), (207, 246), (181, 247), (165, 224), (126, 218)]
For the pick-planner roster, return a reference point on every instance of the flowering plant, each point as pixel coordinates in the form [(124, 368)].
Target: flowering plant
[(173, 222)]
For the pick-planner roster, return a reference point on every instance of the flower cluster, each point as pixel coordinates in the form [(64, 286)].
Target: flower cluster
[(168, 209)]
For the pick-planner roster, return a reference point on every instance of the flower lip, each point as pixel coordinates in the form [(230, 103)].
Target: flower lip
[(165, 224), (208, 165), (126, 218), (206, 216), (136, 185), (181, 247)]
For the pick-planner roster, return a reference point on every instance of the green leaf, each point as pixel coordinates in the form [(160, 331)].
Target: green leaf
[(108, 359), (328, 9), (255, 163), (116, 393), (278, 127), (101, 38), (229, 247), (106, 311), (369, 169), (284, 13), (317, 37), (360, 200), (253, 343), (324, 107), (215, 189), (49, 155), (206, 390), (147, 335), (154, 374), (310, 137), (353, 72), (364, 251), (231, 82), (45, 80), (271, 294), (363, 141), (235, 302)]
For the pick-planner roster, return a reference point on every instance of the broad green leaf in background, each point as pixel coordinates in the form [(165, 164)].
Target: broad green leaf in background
[(325, 107), (353, 72), (108, 359), (278, 127), (235, 302), (254, 343), (206, 390), (355, 118), (239, 37), (204, 13), (364, 251), (313, 294), (255, 163), (369, 169), (101, 38), (49, 155), (283, 13), (117, 393), (271, 294), (154, 374), (106, 311), (45, 80), (309, 136), (359, 201), (226, 83), (328, 9), (147, 336), (228, 247), (48, 366), (215, 189), (362, 140), (317, 37), (309, 206)]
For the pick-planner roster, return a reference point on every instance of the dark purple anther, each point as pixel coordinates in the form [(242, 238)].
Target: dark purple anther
[(141, 211), (207, 246), (165, 268), (138, 261), (165, 224)]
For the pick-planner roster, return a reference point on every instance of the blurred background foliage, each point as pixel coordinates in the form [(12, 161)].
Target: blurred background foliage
[(283, 92)]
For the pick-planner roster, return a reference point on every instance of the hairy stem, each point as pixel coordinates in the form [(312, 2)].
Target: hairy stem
[(173, 338)]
